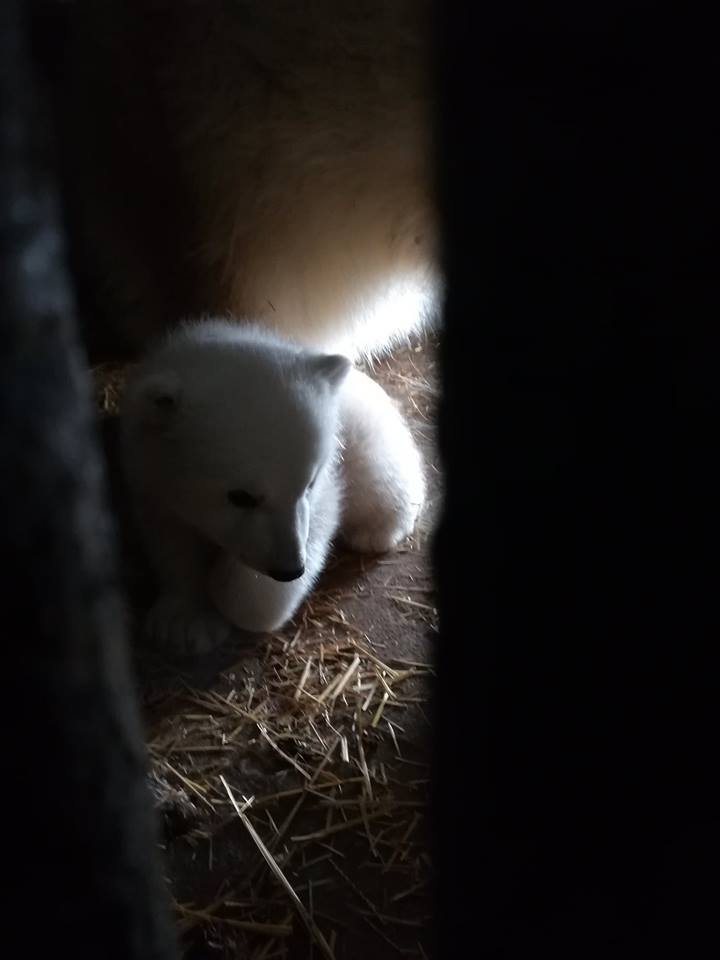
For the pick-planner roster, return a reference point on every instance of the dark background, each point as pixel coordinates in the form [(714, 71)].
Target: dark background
[(577, 560)]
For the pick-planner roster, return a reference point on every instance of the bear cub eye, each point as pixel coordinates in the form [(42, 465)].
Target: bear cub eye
[(243, 500)]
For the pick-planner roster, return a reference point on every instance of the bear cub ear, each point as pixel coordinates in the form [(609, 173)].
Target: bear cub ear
[(158, 399), (332, 368)]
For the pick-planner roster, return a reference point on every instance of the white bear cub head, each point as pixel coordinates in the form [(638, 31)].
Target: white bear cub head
[(233, 432)]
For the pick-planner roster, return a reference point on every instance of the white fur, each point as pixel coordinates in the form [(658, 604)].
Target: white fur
[(220, 407), (382, 468)]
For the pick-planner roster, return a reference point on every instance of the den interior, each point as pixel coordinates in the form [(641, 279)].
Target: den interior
[(292, 771)]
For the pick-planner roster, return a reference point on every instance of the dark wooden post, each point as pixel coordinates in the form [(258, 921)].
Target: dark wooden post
[(579, 670), (80, 861)]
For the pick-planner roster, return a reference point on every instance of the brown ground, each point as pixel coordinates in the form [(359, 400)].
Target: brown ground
[(338, 775)]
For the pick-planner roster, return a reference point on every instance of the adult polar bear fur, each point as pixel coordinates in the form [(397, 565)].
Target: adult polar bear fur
[(270, 160)]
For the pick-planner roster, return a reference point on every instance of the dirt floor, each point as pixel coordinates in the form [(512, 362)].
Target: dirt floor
[(292, 772)]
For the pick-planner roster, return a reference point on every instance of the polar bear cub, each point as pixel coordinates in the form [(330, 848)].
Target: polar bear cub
[(245, 455)]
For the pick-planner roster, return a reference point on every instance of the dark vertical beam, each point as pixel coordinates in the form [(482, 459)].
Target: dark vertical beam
[(79, 848), (577, 810)]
